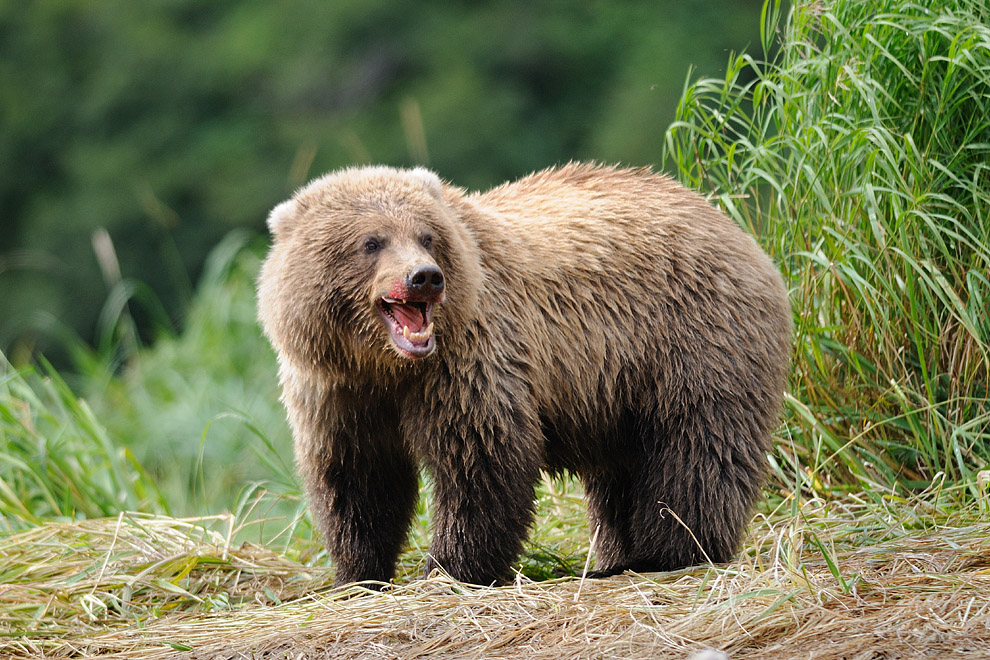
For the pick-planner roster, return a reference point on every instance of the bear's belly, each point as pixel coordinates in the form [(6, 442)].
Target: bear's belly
[(582, 447)]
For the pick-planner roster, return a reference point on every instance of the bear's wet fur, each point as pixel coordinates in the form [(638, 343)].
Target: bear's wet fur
[(591, 319)]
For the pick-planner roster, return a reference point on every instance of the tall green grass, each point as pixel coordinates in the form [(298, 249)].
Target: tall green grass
[(57, 461), (860, 155), (188, 425)]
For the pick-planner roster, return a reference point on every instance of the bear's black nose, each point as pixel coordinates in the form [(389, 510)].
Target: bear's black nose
[(427, 280)]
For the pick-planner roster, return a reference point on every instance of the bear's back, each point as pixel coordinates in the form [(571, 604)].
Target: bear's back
[(621, 268), (631, 223)]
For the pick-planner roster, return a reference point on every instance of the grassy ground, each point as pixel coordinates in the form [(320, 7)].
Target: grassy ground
[(839, 580), (858, 156)]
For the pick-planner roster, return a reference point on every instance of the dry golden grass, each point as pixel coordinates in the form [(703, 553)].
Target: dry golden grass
[(887, 579)]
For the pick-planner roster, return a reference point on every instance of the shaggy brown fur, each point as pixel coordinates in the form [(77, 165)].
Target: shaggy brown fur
[(603, 321)]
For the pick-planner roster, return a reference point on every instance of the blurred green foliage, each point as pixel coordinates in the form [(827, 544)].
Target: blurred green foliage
[(171, 122)]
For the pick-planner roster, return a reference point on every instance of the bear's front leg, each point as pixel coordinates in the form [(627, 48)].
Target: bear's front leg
[(360, 479), (483, 489), (363, 506)]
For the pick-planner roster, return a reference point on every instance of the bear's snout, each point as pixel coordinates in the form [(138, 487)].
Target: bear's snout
[(426, 280), (407, 309)]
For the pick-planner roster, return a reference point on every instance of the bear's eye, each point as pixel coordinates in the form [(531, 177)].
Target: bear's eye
[(427, 241), (372, 245)]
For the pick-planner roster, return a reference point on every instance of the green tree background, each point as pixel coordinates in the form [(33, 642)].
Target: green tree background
[(171, 122)]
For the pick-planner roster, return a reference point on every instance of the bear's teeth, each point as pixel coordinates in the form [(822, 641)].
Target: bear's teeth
[(417, 336)]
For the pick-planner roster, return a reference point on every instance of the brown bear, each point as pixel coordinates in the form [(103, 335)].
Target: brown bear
[(602, 321)]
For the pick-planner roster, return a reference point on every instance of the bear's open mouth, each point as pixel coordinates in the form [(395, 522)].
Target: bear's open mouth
[(410, 325)]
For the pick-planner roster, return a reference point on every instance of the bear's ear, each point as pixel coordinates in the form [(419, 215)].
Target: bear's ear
[(281, 219), (430, 181)]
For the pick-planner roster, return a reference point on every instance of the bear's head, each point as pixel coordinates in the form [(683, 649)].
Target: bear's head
[(368, 267)]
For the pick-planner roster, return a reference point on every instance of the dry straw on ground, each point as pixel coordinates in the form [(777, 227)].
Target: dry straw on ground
[(851, 582)]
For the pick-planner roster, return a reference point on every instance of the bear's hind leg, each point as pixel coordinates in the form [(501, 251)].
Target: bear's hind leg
[(707, 468), (610, 502)]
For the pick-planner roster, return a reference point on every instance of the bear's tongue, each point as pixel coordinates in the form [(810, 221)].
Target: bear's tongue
[(410, 316)]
